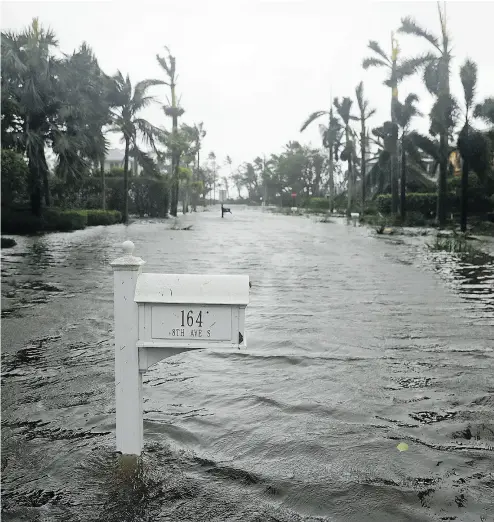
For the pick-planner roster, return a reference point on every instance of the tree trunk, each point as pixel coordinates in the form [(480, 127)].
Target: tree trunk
[(126, 182), (394, 150), (175, 171), (464, 187), (350, 174), (441, 182), (331, 179), (349, 189), (103, 181), (46, 184), (403, 181), (362, 166), (444, 93)]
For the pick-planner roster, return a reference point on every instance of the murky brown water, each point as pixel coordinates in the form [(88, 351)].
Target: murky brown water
[(355, 343)]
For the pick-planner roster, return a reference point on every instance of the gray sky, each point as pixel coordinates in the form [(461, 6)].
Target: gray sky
[(253, 70)]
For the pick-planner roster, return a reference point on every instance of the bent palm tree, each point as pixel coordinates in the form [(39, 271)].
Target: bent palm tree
[(436, 79), (128, 103), (398, 71), (344, 111), (331, 138)]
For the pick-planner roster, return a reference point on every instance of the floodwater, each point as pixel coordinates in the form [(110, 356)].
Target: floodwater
[(356, 343)]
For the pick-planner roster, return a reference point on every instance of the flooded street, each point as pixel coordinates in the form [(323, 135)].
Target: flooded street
[(355, 344)]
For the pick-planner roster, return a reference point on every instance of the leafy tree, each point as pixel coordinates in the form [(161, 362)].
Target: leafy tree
[(128, 102), (31, 102), (15, 175)]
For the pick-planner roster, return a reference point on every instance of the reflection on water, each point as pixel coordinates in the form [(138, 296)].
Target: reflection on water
[(355, 345)]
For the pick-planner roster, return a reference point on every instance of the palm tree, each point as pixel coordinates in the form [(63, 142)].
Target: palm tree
[(365, 114), (212, 159), (344, 109), (436, 78), (398, 71), (405, 112), (331, 137), (173, 110), (468, 76), (31, 93), (128, 103)]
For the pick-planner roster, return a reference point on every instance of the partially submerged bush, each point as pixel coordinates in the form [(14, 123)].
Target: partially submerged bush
[(103, 217), (64, 220), (8, 242)]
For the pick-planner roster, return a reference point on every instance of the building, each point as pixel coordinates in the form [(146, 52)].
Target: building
[(115, 158)]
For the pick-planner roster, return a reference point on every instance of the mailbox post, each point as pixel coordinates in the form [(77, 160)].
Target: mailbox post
[(161, 315)]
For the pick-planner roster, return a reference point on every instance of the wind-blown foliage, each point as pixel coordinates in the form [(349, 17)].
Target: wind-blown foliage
[(126, 121)]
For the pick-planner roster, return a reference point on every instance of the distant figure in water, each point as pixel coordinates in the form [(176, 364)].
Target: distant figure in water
[(224, 210)]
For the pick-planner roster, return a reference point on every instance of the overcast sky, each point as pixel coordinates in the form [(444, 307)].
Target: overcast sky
[(252, 70)]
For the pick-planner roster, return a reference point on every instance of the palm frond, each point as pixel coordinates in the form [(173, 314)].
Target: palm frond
[(410, 66), (373, 62), (485, 110), (413, 152), (425, 144), (431, 77), (374, 46), (410, 26), (468, 76), (147, 130), (142, 87), (311, 118)]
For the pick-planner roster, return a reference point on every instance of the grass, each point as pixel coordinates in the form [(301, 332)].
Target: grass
[(454, 244)]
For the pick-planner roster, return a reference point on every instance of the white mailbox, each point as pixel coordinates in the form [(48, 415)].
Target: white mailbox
[(160, 315), (179, 312)]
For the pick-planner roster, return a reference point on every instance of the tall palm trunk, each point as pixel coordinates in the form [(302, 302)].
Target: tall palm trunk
[(331, 178), (394, 147), (103, 181), (46, 184), (403, 180), (350, 174), (126, 181), (444, 94), (464, 187), (362, 164), (175, 171)]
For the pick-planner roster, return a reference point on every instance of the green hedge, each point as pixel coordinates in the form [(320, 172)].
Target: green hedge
[(425, 203), (64, 220), (103, 217), (21, 221), (317, 203)]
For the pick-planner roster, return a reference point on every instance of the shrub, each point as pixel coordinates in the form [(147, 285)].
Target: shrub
[(14, 177), (8, 242), (317, 203), (64, 220), (424, 203), (103, 217), (20, 221)]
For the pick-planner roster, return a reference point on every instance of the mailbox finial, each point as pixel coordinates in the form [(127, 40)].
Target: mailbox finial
[(128, 248)]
